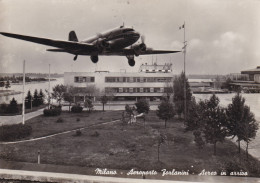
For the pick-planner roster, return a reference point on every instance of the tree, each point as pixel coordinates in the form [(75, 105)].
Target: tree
[(104, 100), (13, 107), (36, 100), (193, 117), (161, 140), (214, 122), (106, 96), (178, 90), (69, 95), (241, 122), (165, 111), (88, 104), (28, 100), (2, 84), (250, 127), (129, 110), (227, 85), (41, 97), (142, 106), (7, 84), (58, 92), (217, 82), (168, 89)]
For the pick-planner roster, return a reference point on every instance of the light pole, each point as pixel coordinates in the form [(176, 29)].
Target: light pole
[(49, 95), (23, 91), (184, 65)]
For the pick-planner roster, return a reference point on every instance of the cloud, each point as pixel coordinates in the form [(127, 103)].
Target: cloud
[(229, 40), (195, 43)]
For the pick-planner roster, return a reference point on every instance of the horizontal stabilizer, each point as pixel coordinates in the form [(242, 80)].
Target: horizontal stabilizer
[(56, 50)]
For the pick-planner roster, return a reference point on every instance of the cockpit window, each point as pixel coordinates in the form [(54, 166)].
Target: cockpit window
[(127, 30)]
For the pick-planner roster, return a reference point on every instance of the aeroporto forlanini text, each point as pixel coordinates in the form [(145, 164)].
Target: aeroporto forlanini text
[(165, 172)]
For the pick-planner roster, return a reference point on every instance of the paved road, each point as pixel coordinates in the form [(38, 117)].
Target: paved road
[(9, 120)]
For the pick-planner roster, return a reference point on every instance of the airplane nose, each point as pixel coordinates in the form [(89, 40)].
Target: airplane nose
[(136, 34)]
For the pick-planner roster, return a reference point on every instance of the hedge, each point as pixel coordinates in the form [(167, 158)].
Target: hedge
[(52, 112), (14, 132), (76, 109)]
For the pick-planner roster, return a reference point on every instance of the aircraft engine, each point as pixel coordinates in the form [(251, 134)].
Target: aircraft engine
[(139, 48), (101, 43)]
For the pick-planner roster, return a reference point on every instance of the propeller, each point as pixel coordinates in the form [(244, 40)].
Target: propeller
[(143, 45), (99, 35), (142, 38)]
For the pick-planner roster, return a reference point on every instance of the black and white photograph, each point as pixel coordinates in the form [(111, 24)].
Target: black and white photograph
[(128, 91)]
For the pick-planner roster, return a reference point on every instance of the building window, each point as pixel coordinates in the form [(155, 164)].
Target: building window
[(161, 90), (141, 90), (131, 80), (120, 90), (151, 90), (131, 90), (83, 79)]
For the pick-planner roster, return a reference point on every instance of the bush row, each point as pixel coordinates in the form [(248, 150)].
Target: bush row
[(14, 132), (52, 112), (76, 109)]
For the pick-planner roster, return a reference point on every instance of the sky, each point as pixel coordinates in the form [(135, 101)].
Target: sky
[(223, 36)]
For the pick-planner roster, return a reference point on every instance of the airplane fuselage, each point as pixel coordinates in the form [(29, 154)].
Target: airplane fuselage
[(117, 38)]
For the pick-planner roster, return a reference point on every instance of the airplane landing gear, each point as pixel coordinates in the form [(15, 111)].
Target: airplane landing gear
[(75, 58), (94, 58), (131, 62)]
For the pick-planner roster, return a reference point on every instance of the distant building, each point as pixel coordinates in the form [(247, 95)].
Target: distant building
[(150, 82), (253, 74), (247, 81)]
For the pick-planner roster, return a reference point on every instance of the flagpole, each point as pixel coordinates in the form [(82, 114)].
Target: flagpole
[(23, 92), (184, 85)]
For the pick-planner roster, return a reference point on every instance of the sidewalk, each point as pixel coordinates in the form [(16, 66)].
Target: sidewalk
[(9, 120)]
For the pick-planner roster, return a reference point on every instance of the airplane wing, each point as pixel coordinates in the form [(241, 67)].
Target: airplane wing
[(129, 51), (70, 45), (151, 52)]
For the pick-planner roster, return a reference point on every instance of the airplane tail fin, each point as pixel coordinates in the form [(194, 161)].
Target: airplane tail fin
[(73, 36)]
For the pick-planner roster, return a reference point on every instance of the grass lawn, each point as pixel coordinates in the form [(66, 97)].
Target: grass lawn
[(124, 147)]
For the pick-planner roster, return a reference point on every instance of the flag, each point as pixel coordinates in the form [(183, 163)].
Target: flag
[(181, 26)]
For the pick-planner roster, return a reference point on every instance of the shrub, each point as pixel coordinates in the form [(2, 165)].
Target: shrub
[(76, 109), (59, 120), (142, 106), (198, 139), (3, 108), (78, 133), (13, 132), (52, 112), (13, 107), (95, 134)]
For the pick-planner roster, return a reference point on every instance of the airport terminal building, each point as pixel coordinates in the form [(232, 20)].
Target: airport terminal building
[(151, 82)]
